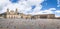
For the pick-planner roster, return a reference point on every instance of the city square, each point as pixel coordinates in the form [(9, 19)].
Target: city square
[(29, 24)]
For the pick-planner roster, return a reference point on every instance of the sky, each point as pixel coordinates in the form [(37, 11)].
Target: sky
[(32, 6)]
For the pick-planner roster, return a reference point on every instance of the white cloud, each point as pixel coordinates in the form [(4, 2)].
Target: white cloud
[(3, 3), (49, 11), (57, 11), (34, 2), (58, 2), (22, 5), (37, 8), (52, 9)]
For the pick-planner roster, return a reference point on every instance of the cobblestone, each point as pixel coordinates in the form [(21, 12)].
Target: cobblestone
[(29, 24)]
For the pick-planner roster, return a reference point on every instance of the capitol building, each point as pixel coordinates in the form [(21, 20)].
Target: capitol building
[(10, 14)]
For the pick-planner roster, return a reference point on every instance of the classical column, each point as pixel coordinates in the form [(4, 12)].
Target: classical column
[(7, 13), (48, 17), (38, 17)]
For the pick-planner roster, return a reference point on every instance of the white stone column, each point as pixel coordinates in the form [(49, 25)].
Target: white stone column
[(48, 17)]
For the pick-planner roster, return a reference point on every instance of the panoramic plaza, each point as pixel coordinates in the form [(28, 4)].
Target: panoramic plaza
[(11, 14)]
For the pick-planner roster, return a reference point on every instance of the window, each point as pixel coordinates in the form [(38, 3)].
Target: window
[(43, 17)]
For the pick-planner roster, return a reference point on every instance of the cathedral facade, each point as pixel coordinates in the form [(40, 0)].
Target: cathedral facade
[(12, 14)]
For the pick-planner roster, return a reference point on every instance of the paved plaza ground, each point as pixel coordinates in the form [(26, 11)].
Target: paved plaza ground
[(29, 24)]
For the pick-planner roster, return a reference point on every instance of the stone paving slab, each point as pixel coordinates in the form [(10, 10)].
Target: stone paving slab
[(29, 24)]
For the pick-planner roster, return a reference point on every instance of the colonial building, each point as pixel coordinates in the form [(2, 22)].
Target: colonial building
[(14, 14), (44, 16)]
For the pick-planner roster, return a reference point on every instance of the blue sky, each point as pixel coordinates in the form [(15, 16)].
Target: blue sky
[(32, 6), (46, 4)]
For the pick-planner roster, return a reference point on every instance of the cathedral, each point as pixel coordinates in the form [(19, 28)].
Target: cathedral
[(12, 14), (15, 14)]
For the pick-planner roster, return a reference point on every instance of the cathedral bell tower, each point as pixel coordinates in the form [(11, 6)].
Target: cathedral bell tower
[(7, 11), (16, 11)]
